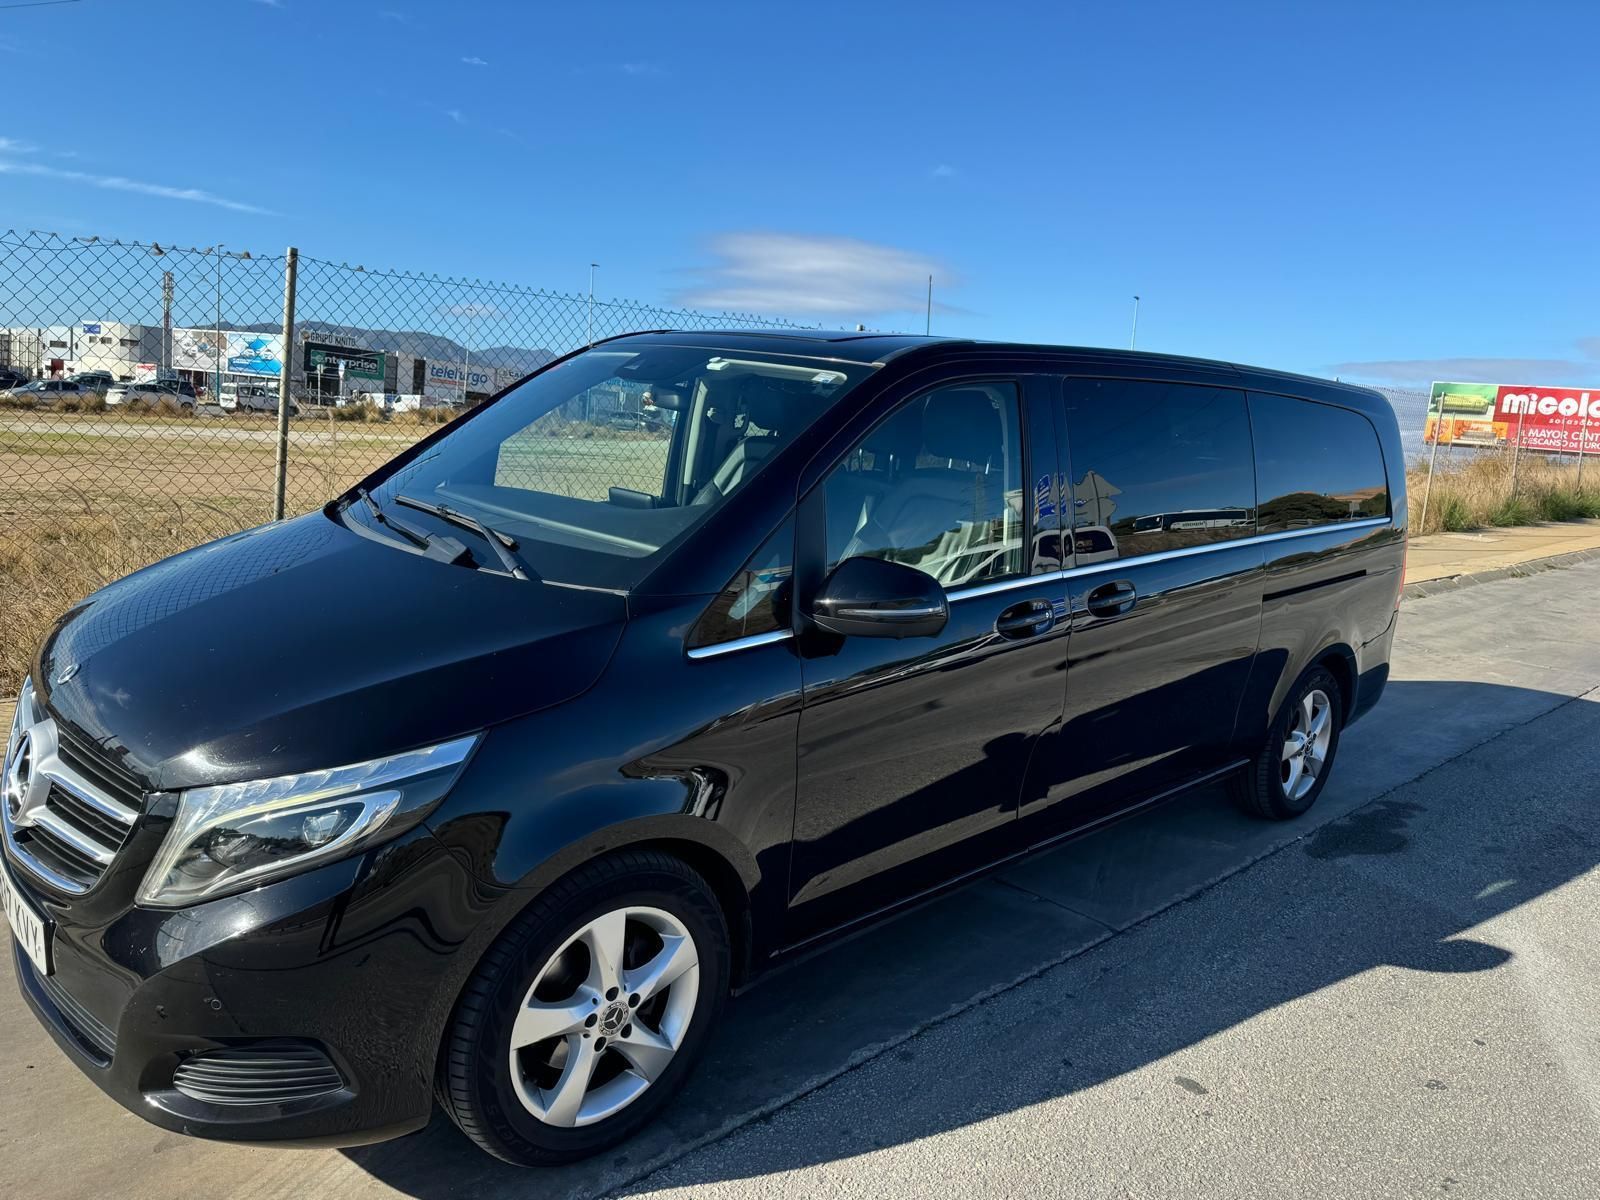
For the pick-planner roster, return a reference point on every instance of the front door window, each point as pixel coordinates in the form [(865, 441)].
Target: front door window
[(937, 486)]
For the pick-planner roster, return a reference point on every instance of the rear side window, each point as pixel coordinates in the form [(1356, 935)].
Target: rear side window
[(1315, 464), (1157, 466)]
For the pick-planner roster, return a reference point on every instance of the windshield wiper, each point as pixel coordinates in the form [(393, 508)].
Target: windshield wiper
[(415, 536), (503, 544)]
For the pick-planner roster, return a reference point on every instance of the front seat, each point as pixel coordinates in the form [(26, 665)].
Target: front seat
[(935, 514), (766, 412)]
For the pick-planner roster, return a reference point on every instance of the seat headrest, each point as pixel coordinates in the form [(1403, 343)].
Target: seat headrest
[(766, 406), (961, 423)]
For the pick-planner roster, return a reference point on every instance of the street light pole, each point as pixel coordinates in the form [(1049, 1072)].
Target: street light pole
[(1133, 338), (592, 266), (216, 391), (928, 327)]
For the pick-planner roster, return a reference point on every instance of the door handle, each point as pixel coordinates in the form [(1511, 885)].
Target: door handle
[(1027, 619), (1110, 599)]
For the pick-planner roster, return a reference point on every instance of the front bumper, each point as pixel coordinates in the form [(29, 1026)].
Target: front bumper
[(357, 963)]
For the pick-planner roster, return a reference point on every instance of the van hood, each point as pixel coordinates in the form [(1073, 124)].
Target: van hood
[(306, 645)]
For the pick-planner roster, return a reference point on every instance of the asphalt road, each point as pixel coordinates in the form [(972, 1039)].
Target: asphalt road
[(1391, 997)]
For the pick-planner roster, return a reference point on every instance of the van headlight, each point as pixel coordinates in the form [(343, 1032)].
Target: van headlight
[(239, 835)]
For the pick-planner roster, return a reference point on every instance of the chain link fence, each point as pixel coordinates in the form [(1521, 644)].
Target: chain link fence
[(139, 395)]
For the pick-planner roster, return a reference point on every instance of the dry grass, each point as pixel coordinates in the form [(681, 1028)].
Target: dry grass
[(46, 567), (1476, 493)]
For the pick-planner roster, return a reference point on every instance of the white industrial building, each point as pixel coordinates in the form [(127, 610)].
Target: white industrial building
[(42, 351)]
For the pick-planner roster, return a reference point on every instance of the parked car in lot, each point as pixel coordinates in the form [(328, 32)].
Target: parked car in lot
[(93, 381), (881, 613), (245, 398), (10, 378), (640, 422), (45, 391), (152, 392)]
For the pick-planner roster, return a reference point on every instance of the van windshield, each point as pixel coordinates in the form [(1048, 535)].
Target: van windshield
[(599, 465)]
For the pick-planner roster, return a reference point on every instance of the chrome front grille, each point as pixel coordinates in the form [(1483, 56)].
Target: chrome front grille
[(67, 810)]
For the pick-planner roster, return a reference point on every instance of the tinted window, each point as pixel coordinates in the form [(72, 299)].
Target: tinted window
[(938, 486), (756, 600), (1157, 466), (1315, 464)]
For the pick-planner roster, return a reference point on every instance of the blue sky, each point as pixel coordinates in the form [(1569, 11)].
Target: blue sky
[(1392, 192)]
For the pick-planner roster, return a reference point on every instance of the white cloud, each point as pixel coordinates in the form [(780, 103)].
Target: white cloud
[(474, 61), (119, 183), (13, 146), (641, 68), (394, 14), (270, 3), (943, 171), (456, 115), (801, 275)]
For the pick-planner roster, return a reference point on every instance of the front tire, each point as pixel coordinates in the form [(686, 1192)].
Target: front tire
[(587, 1014), (1289, 773)]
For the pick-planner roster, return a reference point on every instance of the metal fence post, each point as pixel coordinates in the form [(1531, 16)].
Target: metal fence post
[(1583, 445), (291, 268), (1516, 452), (1438, 432)]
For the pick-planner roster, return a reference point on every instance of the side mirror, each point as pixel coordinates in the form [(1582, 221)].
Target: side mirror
[(869, 597)]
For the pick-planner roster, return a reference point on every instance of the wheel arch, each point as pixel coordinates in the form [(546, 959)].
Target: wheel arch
[(731, 882), (1340, 662)]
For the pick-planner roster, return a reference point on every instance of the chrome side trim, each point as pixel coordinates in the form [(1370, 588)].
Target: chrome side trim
[(1111, 565), (1285, 535), (744, 643), (1002, 585), (1099, 568)]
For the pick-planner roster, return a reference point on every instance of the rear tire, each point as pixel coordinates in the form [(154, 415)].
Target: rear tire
[(559, 1049), (1289, 773)]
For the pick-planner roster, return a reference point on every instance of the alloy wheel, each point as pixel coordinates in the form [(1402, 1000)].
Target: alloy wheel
[(605, 1016), (1305, 745)]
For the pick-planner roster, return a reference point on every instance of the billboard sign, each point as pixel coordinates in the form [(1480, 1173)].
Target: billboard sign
[(1551, 420), (452, 379), (255, 354), (235, 354), (358, 363)]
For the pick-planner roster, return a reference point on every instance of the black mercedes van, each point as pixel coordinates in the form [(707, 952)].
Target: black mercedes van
[(492, 778)]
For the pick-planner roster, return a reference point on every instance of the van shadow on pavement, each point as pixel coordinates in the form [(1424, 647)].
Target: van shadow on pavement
[(1395, 874)]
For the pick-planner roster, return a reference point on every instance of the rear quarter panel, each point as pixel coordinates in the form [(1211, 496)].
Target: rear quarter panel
[(1334, 591)]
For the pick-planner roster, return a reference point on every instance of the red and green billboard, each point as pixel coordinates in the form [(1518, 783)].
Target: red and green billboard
[(1552, 420)]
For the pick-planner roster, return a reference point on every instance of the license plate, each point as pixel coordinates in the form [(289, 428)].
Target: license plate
[(30, 929)]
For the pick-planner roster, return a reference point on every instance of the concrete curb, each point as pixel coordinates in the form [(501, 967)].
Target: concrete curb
[(1451, 583)]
